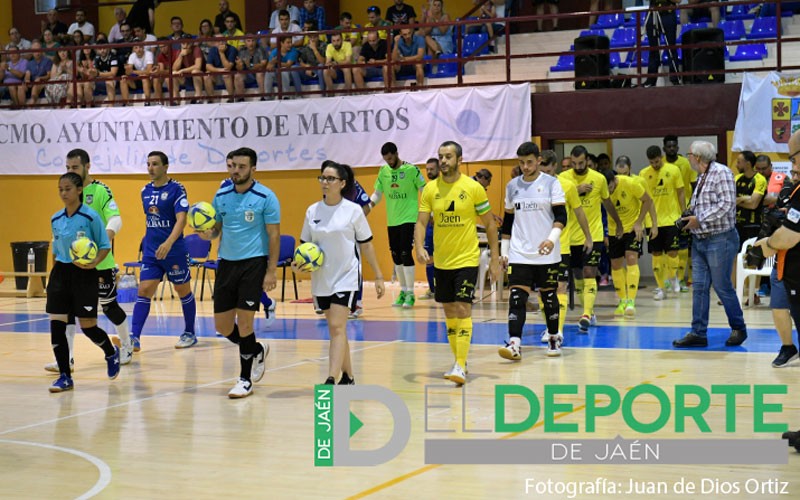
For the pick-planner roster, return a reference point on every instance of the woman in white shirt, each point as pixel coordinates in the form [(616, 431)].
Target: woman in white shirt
[(336, 225)]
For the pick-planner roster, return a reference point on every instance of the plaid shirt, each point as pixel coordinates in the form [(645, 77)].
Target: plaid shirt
[(714, 201), (318, 15)]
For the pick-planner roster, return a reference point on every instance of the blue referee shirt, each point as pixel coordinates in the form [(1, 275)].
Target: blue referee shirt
[(244, 217), (66, 229)]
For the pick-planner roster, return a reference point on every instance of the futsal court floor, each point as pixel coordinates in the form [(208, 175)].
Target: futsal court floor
[(166, 429)]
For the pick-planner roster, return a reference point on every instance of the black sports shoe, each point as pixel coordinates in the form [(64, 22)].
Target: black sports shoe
[(346, 380), (787, 354), (794, 439), (691, 340), (737, 338), (330, 381)]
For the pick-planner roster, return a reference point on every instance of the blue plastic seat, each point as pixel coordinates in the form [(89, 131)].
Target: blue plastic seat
[(733, 29), (754, 52), (564, 63), (593, 32), (763, 27), (605, 21), (690, 27), (665, 57), (614, 60), (473, 42), (444, 69), (623, 37), (739, 12), (631, 60), (631, 22)]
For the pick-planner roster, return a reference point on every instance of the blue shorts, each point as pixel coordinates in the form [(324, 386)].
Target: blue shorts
[(778, 299), (176, 268)]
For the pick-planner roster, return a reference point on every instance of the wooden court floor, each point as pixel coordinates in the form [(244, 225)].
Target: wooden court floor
[(165, 428)]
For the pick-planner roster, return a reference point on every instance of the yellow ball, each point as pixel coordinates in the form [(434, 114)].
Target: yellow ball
[(202, 216), (83, 250), (309, 257)]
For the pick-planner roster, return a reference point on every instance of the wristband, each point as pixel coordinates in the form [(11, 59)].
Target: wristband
[(555, 235), (504, 245)]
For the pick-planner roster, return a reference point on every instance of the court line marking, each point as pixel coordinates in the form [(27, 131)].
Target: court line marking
[(24, 321), (105, 471), (172, 393)]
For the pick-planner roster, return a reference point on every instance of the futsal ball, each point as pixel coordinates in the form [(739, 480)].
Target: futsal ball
[(83, 250), (309, 257), (202, 216)]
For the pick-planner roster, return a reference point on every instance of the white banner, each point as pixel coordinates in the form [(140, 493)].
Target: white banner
[(489, 123), (769, 113)]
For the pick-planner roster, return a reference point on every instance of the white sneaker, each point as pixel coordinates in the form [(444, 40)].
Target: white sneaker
[(676, 285), (242, 389), (545, 336), (658, 294), (259, 364), (510, 351), (554, 343), (186, 340), (593, 320), (125, 350), (53, 367), (456, 374), (358, 311), (269, 315)]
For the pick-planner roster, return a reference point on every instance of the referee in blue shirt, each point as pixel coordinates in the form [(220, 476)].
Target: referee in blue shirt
[(72, 287), (248, 218)]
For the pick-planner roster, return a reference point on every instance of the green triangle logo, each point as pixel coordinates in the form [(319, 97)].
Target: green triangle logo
[(355, 424)]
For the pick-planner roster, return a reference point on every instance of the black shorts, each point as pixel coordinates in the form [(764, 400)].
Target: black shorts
[(239, 284), (578, 260), (533, 276), (563, 268), (685, 240), (72, 290), (406, 70), (346, 299), (455, 285), (107, 284), (628, 243), (401, 238), (668, 240)]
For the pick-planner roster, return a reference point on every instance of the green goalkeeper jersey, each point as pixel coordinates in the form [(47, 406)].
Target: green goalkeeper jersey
[(98, 196), (401, 187)]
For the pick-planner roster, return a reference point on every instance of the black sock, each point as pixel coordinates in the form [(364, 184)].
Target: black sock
[(234, 336), (100, 339), (248, 348), (516, 312), (550, 310), (58, 338), (114, 312)]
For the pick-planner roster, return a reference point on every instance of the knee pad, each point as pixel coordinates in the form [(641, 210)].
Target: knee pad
[(114, 312), (406, 258), (516, 312), (549, 302), (518, 300), (397, 258)]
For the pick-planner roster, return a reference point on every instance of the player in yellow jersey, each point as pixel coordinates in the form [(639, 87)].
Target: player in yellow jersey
[(593, 191), (453, 201), (548, 164), (689, 181), (632, 202), (665, 186)]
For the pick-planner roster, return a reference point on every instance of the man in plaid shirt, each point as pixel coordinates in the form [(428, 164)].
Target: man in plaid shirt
[(714, 246)]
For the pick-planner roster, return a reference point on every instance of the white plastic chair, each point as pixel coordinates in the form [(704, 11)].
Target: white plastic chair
[(742, 273), (483, 269)]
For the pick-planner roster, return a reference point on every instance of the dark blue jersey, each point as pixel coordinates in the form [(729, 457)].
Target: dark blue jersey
[(85, 222), (161, 205)]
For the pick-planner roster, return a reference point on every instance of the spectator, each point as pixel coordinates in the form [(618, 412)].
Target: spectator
[(250, 65), (354, 37), (400, 13), (15, 70), (188, 63), (483, 177), (286, 57), (17, 42), (553, 11), (375, 21), (49, 42), (374, 51), (78, 38), (141, 35), (106, 66), (85, 59), (205, 31), (52, 23), (137, 73), (162, 69), (696, 13), (38, 71), (284, 26), (488, 11), (101, 37), (294, 13), (312, 54), (439, 39), (221, 59), (225, 11), (232, 31), (60, 72), (122, 53), (82, 25), (313, 11), (410, 48), (309, 26), (114, 34), (776, 181), (143, 13), (594, 7), (176, 23), (338, 52)]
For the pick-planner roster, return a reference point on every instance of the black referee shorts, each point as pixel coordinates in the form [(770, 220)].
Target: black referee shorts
[(239, 284), (72, 290), (533, 276)]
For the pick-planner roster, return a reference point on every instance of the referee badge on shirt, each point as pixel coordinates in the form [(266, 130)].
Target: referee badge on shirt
[(249, 216)]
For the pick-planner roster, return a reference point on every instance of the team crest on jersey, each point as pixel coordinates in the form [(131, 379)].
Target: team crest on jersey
[(164, 195), (101, 280), (152, 209), (462, 196), (402, 175), (249, 216), (176, 267), (89, 199), (80, 234)]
